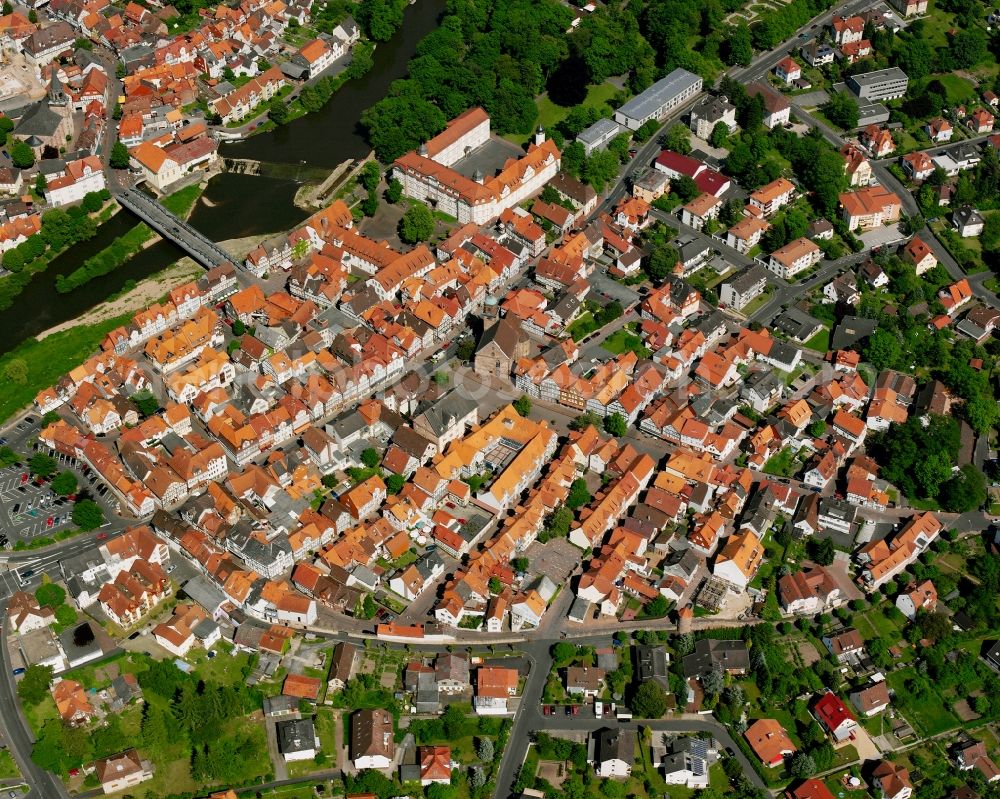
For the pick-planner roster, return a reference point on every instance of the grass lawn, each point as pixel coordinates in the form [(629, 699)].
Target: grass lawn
[(581, 327), (783, 464), (550, 114), (49, 359), (960, 90), (8, 768), (87, 675), (622, 341), (40, 713), (930, 715), (182, 201), (756, 303), (224, 669), (820, 342), (883, 626)]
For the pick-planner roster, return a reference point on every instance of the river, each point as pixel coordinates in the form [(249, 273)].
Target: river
[(233, 205)]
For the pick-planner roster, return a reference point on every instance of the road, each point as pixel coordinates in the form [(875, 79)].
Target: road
[(530, 719), (42, 784), (201, 248), (885, 178)]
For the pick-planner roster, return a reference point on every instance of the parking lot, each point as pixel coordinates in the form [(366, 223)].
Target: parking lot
[(557, 559), (29, 510)]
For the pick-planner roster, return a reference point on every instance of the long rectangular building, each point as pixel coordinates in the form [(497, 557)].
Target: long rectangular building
[(660, 99), (882, 84), (427, 178)]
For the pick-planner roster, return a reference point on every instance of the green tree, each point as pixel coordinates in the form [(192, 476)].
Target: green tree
[(394, 483), (417, 224), (87, 515), (615, 425), (394, 191), (370, 176), (64, 484), (660, 263), (495, 585), (119, 156), (34, 684), (650, 701), (842, 109), (600, 169), (965, 491), (801, 766), (558, 524), (397, 124), (678, 139), (466, 349), (685, 188), (66, 616), (883, 349), (740, 45), (50, 595), (7, 456), (720, 135), (21, 155), (821, 550), (656, 608), (146, 402), (817, 428), (578, 495), (42, 465), (278, 111), (522, 405), (369, 457), (563, 653), (981, 412)]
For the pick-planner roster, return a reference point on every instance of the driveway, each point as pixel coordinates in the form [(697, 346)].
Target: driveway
[(867, 750), (839, 571)]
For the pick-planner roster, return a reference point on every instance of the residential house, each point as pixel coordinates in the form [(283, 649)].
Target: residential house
[(769, 741)]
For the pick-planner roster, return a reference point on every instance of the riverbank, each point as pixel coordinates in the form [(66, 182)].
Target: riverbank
[(47, 361), (12, 284), (152, 289), (138, 238), (313, 197)]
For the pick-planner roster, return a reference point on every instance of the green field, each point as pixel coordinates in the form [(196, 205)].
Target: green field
[(783, 464), (820, 342), (622, 341), (930, 715), (550, 114), (49, 359)]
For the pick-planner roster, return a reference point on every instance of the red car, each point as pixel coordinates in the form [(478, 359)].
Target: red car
[(576, 710), (101, 536), (547, 710), (450, 505), (49, 522), (24, 478)]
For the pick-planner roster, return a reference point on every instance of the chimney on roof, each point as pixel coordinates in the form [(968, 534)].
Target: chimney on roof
[(539, 135), (478, 176), (422, 150)]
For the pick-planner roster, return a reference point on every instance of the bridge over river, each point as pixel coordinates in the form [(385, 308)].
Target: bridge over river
[(201, 248)]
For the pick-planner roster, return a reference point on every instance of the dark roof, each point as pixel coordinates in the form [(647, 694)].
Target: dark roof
[(39, 120), (295, 735), (506, 333), (709, 652)]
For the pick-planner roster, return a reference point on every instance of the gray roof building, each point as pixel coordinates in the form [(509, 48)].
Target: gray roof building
[(659, 99)]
